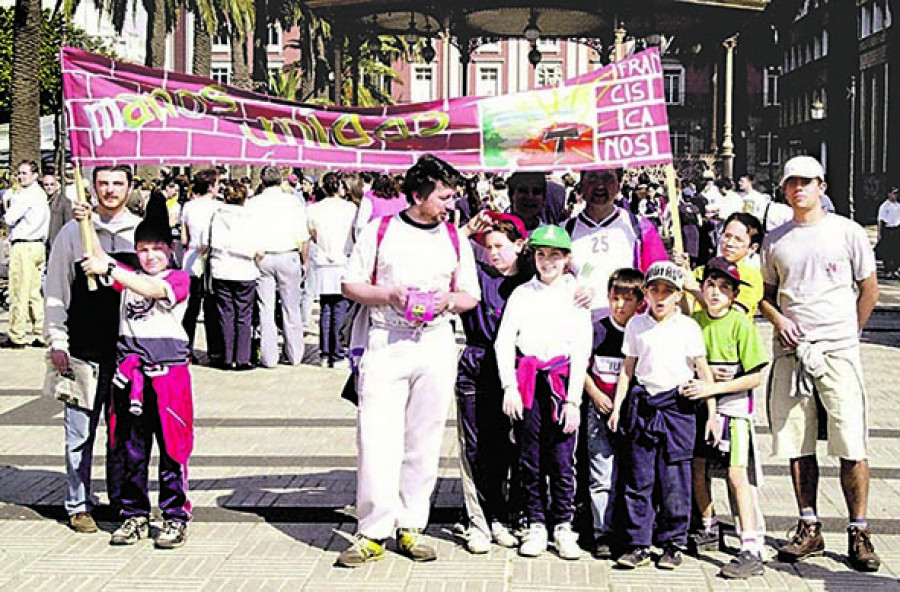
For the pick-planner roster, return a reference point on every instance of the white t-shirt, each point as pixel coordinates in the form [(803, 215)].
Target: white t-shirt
[(889, 213), (411, 255), (665, 351), (775, 214), (815, 268), (600, 248), (543, 321), (332, 222), (196, 216), (755, 203), (234, 244), (280, 219)]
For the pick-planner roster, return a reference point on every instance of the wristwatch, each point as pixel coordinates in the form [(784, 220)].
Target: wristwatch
[(110, 268)]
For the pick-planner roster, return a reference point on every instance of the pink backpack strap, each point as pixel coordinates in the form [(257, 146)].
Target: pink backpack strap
[(454, 238), (382, 230)]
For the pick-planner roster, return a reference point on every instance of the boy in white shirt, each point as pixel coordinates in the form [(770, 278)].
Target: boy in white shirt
[(663, 349)]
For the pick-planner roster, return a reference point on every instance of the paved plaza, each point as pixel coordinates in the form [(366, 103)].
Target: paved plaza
[(273, 485)]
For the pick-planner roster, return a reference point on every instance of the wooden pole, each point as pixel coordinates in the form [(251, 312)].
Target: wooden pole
[(87, 234), (674, 199)]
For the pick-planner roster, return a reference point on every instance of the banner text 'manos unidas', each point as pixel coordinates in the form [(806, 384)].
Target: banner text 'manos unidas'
[(131, 112), (347, 130)]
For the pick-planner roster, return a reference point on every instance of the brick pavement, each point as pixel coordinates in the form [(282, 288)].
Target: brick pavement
[(273, 487)]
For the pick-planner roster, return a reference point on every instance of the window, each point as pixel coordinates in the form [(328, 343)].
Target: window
[(220, 74), (221, 39), (770, 86), (768, 151), (489, 46), (422, 85), (673, 84), (274, 36), (548, 75), (488, 82), (680, 141), (873, 123), (548, 45)]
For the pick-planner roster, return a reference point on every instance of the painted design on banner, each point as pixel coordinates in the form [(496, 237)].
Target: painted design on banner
[(123, 112)]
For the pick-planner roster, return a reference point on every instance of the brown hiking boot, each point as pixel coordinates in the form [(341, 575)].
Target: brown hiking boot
[(82, 522), (860, 551), (806, 542)]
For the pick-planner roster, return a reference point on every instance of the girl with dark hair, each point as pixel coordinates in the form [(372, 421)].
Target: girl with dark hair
[(486, 454)]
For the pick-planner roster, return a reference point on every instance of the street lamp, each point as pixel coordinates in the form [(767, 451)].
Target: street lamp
[(535, 55), (427, 52), (817, 110), (412, 35), (531, 31)]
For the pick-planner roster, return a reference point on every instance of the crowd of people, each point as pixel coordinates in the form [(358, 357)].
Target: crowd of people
[(605, 376)]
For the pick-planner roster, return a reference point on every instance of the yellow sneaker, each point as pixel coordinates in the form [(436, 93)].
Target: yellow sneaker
[(363, 550), (410, 543)]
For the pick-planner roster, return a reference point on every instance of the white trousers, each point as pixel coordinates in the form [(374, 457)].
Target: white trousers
[(405, 390)]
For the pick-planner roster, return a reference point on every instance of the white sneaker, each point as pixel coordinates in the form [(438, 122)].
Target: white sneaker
[(566, 542), (477, 542), (534, 542), (501, 535)]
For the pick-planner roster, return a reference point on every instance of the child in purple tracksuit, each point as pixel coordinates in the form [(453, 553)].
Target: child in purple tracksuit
[(663, 348), (486, 452), (153, 395), (542, 351)]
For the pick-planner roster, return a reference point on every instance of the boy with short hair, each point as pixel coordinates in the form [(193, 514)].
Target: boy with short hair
[(736, 357), (153, 398), (663, 349), (624, 296)]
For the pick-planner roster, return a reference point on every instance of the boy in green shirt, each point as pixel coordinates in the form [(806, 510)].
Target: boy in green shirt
[(736, 357)]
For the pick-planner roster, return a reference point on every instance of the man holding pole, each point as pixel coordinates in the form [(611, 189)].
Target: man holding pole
[(82, 326), (605, 237)]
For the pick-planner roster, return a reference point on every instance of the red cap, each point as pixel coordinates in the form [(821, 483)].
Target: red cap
[(724, 267), (502, 217)]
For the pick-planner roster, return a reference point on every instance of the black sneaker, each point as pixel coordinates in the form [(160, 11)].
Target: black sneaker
[(745, 565), (637, 557), (704, 540), (671, 558), (602, 549)]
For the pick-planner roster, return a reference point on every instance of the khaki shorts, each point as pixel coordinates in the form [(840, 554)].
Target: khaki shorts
[(794, 419)]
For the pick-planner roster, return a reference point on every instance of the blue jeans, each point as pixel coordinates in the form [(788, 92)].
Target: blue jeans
[(334, 308), (603, 471), (81, 428)]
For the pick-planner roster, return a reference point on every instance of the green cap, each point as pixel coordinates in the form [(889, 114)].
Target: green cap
[(550, 236)]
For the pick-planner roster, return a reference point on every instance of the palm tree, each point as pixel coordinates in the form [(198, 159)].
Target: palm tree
[(205, 24), (25, 129)]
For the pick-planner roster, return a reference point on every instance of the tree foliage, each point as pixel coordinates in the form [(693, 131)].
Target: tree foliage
[(50, 75)]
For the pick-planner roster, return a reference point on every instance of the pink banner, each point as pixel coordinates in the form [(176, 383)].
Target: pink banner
[(119, 112)]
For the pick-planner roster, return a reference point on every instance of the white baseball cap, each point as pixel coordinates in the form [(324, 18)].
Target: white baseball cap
[(667, 272), (803, 166)]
